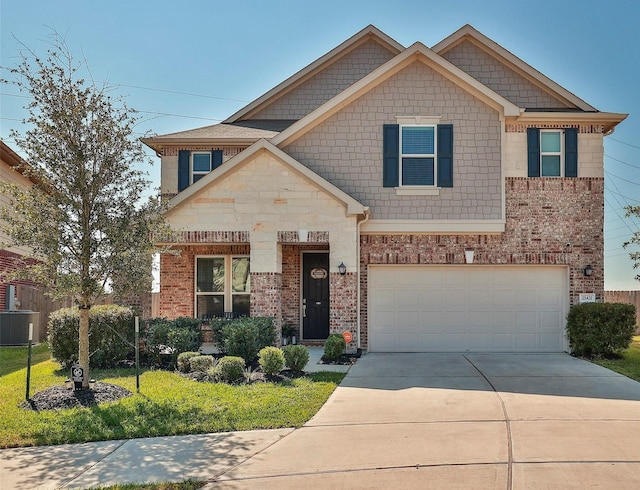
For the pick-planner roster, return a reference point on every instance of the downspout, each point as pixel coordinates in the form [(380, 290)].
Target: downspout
[(366, 218)]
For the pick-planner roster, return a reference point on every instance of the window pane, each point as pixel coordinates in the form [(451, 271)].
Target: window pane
[(550, 165), (211, 305), (210, 275), (241, 304), (241, 279), (550, 141), (201, 162), (417, 140), (417, 171)]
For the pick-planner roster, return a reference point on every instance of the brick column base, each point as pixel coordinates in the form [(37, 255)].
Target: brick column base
[(266, 298), (343, 306)]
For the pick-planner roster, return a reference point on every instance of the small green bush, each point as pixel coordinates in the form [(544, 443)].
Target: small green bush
[(230, 369), (164, 338), (245, 337), (271, 360), (296, 357), (111, 335), (184, 365), (334, 346), (201, 363), (600, 329)]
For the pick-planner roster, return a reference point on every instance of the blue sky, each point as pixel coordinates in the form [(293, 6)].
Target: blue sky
[(191, 64)]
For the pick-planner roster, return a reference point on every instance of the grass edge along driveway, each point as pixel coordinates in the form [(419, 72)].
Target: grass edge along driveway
[(167, 404)]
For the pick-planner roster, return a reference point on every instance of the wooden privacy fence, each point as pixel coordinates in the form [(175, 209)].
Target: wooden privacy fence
[(33, 298), (632, 297)]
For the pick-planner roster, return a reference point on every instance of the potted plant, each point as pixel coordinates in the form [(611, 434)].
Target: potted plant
[(288, 334)]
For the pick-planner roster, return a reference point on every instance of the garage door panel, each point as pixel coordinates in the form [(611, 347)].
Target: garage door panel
[(474, 308)]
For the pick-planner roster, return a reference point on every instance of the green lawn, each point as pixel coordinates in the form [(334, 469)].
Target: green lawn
[(15, 358), (186, 485), (167, 404), (629, 365)]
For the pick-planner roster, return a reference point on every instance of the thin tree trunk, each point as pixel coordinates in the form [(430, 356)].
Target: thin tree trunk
[(83, 344)]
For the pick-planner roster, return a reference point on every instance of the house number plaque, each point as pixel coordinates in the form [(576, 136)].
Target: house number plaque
[(318, 273)]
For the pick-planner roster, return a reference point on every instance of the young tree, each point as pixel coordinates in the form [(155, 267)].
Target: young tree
[(635, 239), (84, 219)]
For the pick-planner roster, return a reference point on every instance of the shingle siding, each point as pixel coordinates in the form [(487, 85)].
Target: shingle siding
[(347, 148), (499, 78), (328, 83)]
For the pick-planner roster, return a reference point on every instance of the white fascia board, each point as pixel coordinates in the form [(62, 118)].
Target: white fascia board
[(416, 52), (369, 32), (439, 227), (608, 119)]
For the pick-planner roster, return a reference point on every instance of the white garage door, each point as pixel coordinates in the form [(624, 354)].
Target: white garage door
[(467, 308)]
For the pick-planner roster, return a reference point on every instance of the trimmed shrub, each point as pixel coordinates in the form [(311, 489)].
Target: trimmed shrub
[(201, 363), (245, 337), (166, 339), (111, 335), (600, 329), (271, 360), (296, 357), (334, 346), (230, 369), (184, 365)]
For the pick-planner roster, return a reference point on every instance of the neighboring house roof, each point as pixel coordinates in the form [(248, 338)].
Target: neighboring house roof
[(416, 52), (368, 33), (11, 158), (353, 207), (244, 133), (468, 33)]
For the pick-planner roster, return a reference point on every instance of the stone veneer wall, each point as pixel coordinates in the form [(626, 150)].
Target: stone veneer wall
[(549, 221), (177, 276)]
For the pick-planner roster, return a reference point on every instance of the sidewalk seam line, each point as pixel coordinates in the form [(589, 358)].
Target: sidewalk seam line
[(77, 475)]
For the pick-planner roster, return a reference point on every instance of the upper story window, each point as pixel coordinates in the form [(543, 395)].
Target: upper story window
[(193, 165), (417, 157), (200, 165), (223, 285), (552, 152)]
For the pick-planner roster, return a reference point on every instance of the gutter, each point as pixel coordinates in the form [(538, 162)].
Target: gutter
[(360, 223)]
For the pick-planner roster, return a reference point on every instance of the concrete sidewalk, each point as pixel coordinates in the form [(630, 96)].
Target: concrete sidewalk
[(397, 420)]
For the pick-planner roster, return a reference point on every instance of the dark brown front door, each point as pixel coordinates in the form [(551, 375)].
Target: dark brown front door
[(315, 296)]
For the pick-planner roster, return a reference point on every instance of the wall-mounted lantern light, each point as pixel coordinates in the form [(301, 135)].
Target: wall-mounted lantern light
[(588, 271), (342, 269)]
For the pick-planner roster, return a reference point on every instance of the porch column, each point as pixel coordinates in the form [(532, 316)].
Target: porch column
[(266, 277), (343, 289)]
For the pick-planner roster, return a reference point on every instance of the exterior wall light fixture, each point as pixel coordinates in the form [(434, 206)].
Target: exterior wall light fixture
[(342, 269), (588, 271)]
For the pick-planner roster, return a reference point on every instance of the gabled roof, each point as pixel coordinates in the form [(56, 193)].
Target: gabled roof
[(353, 206), (368, 33), (15, 161), (469, 33), (416, 52)]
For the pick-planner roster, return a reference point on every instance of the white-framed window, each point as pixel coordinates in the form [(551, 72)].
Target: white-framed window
[(551, 152), (200, 165), (418, 150), (222, 285)]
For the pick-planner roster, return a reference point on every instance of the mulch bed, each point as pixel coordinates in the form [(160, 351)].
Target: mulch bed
[(344, 359), (58, 397)]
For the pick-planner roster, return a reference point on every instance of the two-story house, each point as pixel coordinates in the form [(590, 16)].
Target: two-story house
[(423, 199)]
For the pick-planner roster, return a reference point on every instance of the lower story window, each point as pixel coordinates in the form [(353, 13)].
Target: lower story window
[(223, 285)]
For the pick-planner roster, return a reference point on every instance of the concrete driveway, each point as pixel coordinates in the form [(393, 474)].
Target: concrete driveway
[(506, 421)]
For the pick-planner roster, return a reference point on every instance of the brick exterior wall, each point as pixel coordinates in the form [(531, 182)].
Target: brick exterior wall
[(266, 297), (549, 221), (9, 261), (332, 80), (177, 276), (343, 301), (499, 78)]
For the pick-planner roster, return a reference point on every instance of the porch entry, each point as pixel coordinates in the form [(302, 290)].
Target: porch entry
[(315, 295)]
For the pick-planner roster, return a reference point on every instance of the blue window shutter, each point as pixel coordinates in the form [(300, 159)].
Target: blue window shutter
[(571, 152), (533, 152), (216, 159), (183, 170), (445, 155), (391, 155)]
